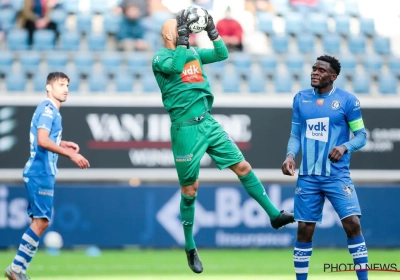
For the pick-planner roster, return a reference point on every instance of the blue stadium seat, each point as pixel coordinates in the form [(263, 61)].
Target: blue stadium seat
[(138, 65), (84, 63), (282, 7), (84, 23), (283, 83), (7, 19), (394, 65), (373, 64), (264, 23), (387, 84), (71, 6), (124, 82), (332, 43), (57, 61), (97, 41), (99, 6), (70, 41), (318, 24), (111, 23), (367, 26), (44, 40), (340, 81), (361, 83), (305, 81), (111, 62), (30, 62), (15, 82), (149, 84), (280, 43), (294, 23), (326, 6), (348, 64), (98, 82), (215, 69), (59, 16), (306, 43), (357, 44), (257, 83), (268, 64), (351, 8), (231, 83), (242, 63), (295, 64), (382, 45), (74, 82), (6, 62), (17, 39), (342, 25), (39, 82), (17, 4)]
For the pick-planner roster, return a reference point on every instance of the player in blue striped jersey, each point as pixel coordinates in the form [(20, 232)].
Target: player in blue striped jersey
[(41, 168), (323, 117)]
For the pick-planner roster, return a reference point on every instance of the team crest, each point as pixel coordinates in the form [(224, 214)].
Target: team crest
[(348, 191), (335, 105), (48, 110), (320, 102)]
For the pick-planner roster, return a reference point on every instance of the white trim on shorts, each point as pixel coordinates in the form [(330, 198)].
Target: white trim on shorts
[(318, 222), (359, 214)]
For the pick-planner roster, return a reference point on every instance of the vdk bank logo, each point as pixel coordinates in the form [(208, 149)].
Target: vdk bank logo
[(7, 125), (318, 129)]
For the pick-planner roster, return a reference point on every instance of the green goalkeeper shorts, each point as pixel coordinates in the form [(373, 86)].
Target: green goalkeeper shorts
[(192, 139)]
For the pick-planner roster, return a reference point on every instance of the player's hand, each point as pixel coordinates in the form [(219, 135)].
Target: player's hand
[(211, 29), (337, 152), (71, 146), (289, 166), (183, 22), (79, 160)]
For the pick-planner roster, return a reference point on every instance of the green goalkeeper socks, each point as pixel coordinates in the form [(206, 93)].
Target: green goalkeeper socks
[(256, 190), (187, 217)]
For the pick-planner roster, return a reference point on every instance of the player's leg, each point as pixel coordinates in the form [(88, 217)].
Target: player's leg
[(308, 206), (343, 196), (40, 194), (225, 153), (188, 148), (256, 190)]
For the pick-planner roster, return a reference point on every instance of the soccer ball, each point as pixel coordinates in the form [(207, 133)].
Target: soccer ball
[(201, 23), (53, 240)]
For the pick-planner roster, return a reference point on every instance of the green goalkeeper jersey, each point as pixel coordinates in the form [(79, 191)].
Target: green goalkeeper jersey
[(181, 78)]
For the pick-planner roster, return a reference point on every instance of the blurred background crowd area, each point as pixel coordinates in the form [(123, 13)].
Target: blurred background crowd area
[(106, 46)]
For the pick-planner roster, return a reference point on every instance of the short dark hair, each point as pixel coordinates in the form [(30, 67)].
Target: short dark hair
[(333, 62), (56, 76)]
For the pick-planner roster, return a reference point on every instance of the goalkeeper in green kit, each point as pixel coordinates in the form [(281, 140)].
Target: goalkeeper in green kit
[(187, 97)]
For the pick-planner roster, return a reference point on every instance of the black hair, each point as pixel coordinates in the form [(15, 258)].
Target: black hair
[(56, 76), (333, 62)]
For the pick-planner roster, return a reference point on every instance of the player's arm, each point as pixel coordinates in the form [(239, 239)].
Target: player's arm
[(294, 144), (70, 145), (45, 142), (220, 51), (356, 124), (171, 64)]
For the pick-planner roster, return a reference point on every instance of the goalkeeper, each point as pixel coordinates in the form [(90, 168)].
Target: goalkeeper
[(187, 97)]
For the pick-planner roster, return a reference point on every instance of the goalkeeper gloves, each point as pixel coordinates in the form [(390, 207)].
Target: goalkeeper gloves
[(183, 27), (211, 29)]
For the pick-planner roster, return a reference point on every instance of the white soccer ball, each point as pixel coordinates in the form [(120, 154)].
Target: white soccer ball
[(53, 240), (201, 23)]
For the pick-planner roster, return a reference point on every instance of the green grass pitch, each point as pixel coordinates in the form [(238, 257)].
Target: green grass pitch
[(243, 264)]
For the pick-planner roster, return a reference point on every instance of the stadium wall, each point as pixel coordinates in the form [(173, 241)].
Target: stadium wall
[(128, 137), (116, 216)]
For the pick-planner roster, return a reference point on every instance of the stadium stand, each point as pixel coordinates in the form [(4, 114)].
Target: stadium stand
[(86, 39)]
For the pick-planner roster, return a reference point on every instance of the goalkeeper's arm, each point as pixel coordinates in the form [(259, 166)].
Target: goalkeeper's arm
[(174, 64)]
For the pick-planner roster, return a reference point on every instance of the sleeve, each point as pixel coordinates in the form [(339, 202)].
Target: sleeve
[(295, 134), (218, 53), (353, 114), (359, 140), (27, 13), (170, 64), (45, 118)]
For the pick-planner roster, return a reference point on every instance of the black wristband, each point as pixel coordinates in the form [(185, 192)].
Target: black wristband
[(213, 34)]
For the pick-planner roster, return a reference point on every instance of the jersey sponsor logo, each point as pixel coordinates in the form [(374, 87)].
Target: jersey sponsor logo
[(357, 103), (335, 104), (306, 101), (192, 72), (318, 129), (320, 102), (48, 110)]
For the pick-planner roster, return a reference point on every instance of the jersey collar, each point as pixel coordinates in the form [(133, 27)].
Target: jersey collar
[(52, 102), (330, 93)]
